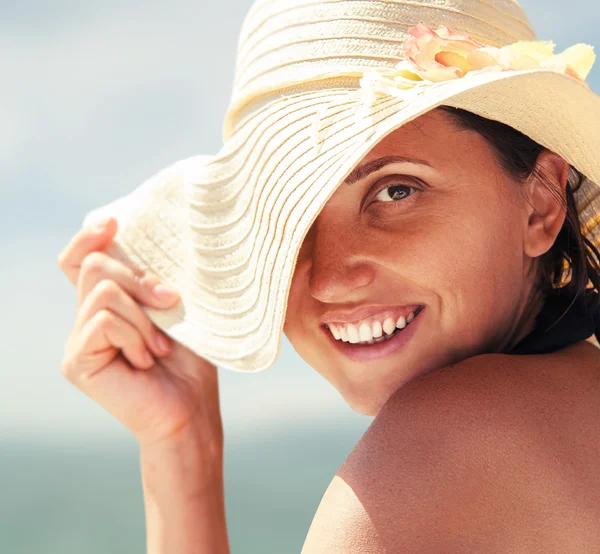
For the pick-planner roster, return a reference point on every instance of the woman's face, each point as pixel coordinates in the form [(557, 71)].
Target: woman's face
[(445, 234)]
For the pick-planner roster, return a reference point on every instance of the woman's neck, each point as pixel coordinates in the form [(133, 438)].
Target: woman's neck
[(526, 322)]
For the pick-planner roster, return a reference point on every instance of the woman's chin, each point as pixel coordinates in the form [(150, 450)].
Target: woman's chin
[(362, 400)]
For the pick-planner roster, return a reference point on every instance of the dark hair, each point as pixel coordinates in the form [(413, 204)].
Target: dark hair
[(573, 261)]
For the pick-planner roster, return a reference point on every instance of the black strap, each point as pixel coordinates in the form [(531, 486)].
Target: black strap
[(564, 319)]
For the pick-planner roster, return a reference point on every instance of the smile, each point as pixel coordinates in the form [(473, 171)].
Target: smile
[(372, 332), (376, 347)]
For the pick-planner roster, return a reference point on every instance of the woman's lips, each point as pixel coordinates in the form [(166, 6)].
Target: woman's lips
[(368, 314), (377, 351)]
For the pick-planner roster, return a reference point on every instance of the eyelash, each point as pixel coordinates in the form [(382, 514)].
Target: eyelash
[(395, 185)]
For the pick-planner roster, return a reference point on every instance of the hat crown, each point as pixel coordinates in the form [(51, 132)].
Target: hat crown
[(286, 42)]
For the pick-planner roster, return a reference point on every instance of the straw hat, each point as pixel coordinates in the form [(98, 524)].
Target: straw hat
[(318, 84)]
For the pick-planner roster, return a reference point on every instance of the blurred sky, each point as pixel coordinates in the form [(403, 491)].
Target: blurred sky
[(96, 97)]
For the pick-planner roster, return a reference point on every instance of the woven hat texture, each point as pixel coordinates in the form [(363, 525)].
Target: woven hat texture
[(225, 229)]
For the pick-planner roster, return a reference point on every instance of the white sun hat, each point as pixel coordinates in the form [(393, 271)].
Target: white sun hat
[(318, 84)]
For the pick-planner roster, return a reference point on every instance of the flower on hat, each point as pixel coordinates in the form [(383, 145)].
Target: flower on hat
[(440, 55), (576, 61), (443, 54)]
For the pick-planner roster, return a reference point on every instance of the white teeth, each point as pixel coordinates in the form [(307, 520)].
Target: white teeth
[(352, 334), (364, 332), (370, 334), (389, 325)]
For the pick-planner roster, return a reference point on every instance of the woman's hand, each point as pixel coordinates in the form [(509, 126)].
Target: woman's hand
[(114, 353)]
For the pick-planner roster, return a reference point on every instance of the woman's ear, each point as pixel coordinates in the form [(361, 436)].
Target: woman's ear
[(546, 208)]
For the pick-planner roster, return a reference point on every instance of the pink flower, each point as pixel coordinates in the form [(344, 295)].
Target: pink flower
[(442, 54)]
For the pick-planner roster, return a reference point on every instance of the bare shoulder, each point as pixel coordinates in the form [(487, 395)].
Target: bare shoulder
[(507, 389), (496, 454), (508, 445)]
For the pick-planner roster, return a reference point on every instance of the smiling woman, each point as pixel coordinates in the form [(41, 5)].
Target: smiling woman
[(417, 210), (464, 240)]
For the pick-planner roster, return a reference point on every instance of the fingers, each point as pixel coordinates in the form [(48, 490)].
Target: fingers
[(86, 265), (104, 335), (90, 351), (108, 296), (110, 319), (99, 266), (87, 240)]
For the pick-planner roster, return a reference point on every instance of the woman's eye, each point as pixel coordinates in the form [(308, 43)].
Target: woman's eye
[(393, 193)]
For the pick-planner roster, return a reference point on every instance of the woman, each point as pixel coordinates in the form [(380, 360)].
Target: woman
[(441, 278)]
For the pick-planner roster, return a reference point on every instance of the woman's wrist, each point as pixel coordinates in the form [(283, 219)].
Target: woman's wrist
[(192, 460), (195, 448), (184, 496)]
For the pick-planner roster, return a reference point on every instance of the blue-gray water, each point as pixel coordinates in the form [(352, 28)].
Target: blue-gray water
[(86, 498)]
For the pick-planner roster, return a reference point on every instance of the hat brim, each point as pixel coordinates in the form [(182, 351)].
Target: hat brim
[(226, 230)]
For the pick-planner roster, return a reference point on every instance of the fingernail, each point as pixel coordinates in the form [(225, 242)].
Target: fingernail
[(163, 292), (162, 342), (99, 225)]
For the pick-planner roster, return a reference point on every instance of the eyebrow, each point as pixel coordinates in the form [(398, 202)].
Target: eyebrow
[(366, 169)]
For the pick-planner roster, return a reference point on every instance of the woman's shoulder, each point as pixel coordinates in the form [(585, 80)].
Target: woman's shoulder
[(537, 401), (511, 384), (495, 454), (514, 436)]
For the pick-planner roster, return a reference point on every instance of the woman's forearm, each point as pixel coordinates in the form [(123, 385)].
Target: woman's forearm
[(184, 498)]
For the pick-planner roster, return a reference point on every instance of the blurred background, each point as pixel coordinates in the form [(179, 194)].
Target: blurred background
[(95, 97)]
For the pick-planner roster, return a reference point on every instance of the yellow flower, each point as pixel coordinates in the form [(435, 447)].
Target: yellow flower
[(576, 61), (525, 54), (579, 59)]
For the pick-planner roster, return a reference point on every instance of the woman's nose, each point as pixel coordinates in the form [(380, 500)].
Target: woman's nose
[(338, 267)]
